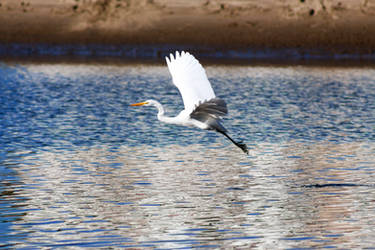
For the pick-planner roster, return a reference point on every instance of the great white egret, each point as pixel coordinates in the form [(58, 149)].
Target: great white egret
[(202, 108)]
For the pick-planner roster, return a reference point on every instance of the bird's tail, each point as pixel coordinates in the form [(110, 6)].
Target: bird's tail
[(241, 145)]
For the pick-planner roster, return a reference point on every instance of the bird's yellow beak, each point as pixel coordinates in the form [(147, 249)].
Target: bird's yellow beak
[(139, 104)]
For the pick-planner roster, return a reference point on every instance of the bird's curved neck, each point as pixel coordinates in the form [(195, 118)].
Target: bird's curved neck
[(160, 109), (161, 112)]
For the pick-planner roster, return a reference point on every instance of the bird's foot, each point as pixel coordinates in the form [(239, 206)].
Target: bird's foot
[(243, 147)]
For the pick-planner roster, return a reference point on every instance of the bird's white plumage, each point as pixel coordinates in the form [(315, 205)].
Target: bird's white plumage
[(202, 109), (190, 78)]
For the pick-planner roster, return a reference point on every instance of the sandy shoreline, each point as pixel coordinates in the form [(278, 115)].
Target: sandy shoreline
[(329, 26)]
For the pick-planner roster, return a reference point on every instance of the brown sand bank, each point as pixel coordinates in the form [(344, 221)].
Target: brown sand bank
[(337, 26)]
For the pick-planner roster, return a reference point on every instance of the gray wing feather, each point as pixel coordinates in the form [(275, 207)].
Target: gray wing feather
[(210, 112), (215, 107)]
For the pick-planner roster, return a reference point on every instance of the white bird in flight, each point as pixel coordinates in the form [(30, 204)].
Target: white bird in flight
[(202, 108)]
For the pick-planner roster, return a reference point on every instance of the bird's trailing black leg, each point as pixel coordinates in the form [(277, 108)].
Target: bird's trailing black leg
[(238, 144)]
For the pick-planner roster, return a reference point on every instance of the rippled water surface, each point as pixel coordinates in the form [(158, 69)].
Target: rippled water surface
[(80, 168)]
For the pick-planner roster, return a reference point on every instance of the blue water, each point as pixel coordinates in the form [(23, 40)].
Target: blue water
[(79, 167)]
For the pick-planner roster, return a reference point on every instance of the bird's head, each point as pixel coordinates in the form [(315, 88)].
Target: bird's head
[(145, 103), (151, 103)]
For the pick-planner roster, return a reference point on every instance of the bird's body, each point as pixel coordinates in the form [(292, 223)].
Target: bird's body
[(202, 108)]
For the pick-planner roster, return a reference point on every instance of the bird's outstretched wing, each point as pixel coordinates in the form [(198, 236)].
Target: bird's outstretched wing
[(210, 113), (190, 78)]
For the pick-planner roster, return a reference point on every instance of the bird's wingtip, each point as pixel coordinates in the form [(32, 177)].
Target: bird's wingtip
[(171, 56), (177, 55)]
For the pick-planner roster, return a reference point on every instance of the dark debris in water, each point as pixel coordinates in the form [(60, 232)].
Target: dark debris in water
[(336, 185)]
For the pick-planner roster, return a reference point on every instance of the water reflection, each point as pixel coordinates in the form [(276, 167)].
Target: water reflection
[(177, 196), (341, 175)]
